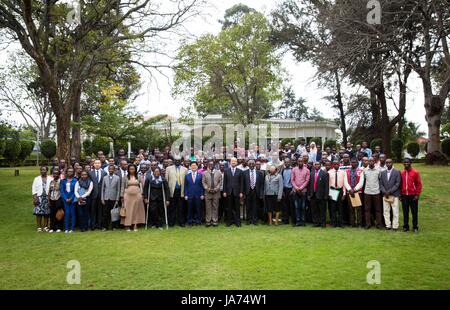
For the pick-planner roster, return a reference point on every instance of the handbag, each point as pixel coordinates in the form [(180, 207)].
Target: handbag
[(115, 213), (123, 212), (59, 214)]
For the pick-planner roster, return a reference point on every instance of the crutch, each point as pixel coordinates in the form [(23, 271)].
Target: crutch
[(165, 206)]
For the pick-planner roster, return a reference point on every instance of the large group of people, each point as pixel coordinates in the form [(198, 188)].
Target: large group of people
[(299, 185)]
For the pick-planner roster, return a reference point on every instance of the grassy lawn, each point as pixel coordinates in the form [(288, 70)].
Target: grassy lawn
[(259, 257)]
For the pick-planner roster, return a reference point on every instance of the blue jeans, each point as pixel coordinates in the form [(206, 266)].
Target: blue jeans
[(300, 204), (69, 214)]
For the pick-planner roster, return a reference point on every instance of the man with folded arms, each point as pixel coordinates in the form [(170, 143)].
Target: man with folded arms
[(390, 180)]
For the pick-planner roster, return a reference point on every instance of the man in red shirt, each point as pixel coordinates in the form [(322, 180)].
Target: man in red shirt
[(411, 189)]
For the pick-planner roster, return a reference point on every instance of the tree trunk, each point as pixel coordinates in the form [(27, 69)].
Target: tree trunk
[(75, 147), (341, 108), (63, 136), (433, 111)]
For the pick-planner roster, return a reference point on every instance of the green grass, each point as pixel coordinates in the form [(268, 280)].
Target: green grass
[(259, 257)]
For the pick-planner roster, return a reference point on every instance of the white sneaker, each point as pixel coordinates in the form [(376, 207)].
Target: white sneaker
[(135, 229), (58, 230), (39, 229), (70, 231), (50, 231), (46, 228), (66, 232)]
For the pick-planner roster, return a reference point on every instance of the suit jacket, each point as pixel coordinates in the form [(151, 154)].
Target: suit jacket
[(171, 177), (97, 185), (193, 189), (233, 184), (154, 190), (206, 181), (111, 190), (322, 185), (393, 185), (259, 183)]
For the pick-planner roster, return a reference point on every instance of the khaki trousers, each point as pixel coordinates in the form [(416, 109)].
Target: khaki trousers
[(387, 206), (211, 210)]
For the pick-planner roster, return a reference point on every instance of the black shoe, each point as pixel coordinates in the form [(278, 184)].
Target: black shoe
[(298, 225), (238, 225), (367, 227), (228, 225), (182, 225), (405, 229), (208, 225)]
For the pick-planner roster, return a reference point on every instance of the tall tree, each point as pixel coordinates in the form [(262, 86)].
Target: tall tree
[(67, 55), (21, 92), (236, 73)]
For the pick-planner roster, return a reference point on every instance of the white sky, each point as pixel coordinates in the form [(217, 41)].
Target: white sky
[(156, 98)]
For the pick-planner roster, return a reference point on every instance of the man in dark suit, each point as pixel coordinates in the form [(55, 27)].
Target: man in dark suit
[(318, 194), (254, 191), (194, 194), (95, 213), (233, 190)]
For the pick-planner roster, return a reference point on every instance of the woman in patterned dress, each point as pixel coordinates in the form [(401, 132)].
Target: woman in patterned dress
[(132, 200), (40, 199)]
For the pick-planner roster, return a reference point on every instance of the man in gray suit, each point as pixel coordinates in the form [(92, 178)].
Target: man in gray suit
[(211, 181), (390, 180), (110, 195)]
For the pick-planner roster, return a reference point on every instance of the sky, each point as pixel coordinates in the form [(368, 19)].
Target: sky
[(156, 99), (155, 95)]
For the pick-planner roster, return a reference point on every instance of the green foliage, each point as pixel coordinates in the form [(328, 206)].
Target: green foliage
[(295, 108), (236, 73), (330, 143), (100, 144), (26, 147), (445, 130), (413, 149), (48, 148), (397, 148), (115, 120), (286, 141), (87, 147), (317, 140), (446, 147), (411, 132), (12, 150), (376, 142), (234, 15)]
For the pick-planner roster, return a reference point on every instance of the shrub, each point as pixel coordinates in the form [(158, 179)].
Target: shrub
[(12, 150), (26, 147), (330, 143), (376, 142), (316, 140), (100, 144), (87, 147), (446, 147), (286, 141), (413, 149), (48, 148), (397, 148)]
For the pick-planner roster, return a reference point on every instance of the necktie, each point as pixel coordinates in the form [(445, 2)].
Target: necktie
[(178, 176), (233, 171), (335, 178), (96, 175), (212, 179), (315, 180), (193, 177), (252, 178)]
